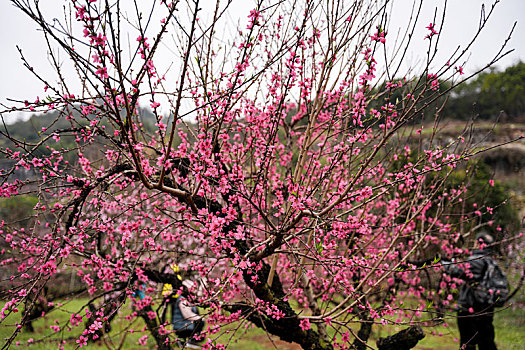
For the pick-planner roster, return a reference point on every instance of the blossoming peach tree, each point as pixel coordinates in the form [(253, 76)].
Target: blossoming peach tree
[(268, 165)]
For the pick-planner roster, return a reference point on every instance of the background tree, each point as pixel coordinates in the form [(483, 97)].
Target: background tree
[(489, 94)]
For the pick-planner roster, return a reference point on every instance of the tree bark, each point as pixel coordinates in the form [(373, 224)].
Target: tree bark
[(403, 340), (364, 331), (163, 340)]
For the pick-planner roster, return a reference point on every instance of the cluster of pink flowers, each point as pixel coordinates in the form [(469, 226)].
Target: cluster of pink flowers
[(433, 31), (379, 35)]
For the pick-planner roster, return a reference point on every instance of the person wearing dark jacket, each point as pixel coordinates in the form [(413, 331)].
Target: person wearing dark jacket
[(474, 318)]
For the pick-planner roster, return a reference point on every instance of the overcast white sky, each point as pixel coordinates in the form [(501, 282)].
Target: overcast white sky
[(461, 22)]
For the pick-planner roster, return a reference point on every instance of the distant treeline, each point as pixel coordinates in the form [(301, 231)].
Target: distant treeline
[(489, 94), (38, 125)]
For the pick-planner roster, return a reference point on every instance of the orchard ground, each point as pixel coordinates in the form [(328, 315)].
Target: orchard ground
[(509, 324)]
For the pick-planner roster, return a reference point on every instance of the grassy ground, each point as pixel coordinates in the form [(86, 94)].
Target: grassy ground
[(509, 324), (45, 338)]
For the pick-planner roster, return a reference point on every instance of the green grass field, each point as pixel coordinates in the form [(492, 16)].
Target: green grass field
[(509, 324)]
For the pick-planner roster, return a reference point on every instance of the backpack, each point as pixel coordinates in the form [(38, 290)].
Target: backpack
[(493, 289), (184, 327)]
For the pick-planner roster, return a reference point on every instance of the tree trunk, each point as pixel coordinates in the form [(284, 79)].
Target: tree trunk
[(163, 341), (404, 340)]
